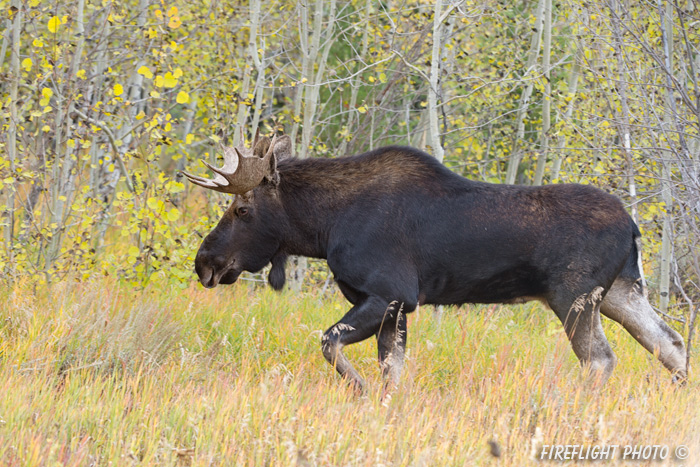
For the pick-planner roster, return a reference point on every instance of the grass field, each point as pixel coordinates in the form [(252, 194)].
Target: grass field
[(98, 374)]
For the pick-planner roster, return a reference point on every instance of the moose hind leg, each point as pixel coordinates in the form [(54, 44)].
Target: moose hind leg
[(580, 315), (627, 304), (360, 322), (391, 343)]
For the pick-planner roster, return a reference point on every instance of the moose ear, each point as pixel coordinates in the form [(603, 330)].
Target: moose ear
[(281, 150), (261, 146)]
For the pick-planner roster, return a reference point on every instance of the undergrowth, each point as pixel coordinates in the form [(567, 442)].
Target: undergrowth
[(96, 373)]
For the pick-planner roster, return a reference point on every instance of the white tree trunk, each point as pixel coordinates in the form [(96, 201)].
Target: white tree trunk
[(65, 183), (312, 88), (438, 151), (624, 117), (15, 74), (546, 104), (303, 45), (666, 232), (242, 114), (309, 93), (355, 85), (258, 61), (514, 159), (561, 140)]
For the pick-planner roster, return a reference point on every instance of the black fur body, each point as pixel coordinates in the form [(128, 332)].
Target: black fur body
[(398, 230)]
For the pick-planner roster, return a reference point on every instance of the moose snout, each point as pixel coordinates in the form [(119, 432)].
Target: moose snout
[(206, 276), (214, 270), (206, 270)]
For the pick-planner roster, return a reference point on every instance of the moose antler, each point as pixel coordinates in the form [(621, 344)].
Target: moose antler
[(242, 170)]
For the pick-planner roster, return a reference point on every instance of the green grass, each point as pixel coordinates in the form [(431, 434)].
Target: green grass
[(96, 373)]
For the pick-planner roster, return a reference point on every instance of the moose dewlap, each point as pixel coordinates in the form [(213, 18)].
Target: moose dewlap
[(399, 229)]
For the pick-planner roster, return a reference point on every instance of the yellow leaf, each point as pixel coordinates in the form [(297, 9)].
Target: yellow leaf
[(80, 74), (145, 71), (140, 115), (169, 81), (46, 129), (27, 64), (177, 73), (189, 138), (174, 22), (154, 94), (382, 77), (134, 251), (118, 89), (371, 79), (175, 187), (183, 97), (54, 23), (37, 43), (362, 109)]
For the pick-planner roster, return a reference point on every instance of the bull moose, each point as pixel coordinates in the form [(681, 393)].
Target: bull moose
[(398, 229)]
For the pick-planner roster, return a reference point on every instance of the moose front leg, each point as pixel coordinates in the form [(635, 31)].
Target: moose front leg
[(362, 321)]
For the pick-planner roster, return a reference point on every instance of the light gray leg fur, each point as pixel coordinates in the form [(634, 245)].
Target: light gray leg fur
[(391, 343), (582, 324), (626, 303)]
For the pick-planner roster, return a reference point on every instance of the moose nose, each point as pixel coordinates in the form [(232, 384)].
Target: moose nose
[(205, 269), (206, 276)]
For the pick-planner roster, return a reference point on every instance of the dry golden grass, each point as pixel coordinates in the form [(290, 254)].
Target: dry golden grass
[(93, 374)]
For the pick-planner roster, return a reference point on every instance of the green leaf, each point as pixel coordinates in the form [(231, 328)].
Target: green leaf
[(154, 203), (173, 215)]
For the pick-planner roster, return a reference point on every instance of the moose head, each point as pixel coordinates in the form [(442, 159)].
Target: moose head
[(247, 237)]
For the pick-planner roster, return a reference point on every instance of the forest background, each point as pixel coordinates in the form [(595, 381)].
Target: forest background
[(104, 103), (110, 351)]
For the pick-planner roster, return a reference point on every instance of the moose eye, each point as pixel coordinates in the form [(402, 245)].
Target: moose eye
[(242, 212)]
